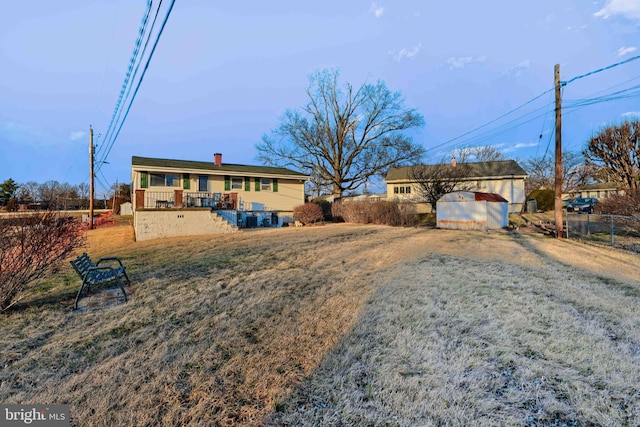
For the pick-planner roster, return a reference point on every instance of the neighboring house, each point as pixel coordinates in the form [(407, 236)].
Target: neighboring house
[(183, 197), (364, 198), (503, 177), (598, 190)]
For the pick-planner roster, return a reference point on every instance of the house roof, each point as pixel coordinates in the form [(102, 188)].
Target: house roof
[(600, 186), (494, 169), (230, 168)]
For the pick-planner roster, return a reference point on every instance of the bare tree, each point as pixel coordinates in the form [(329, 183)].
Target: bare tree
[(32, 246), (49, 193), (482, 153), (29, 192), (344, 137), (541, 171), (616, 149), (434, 181), (66, 194), (83, 194)]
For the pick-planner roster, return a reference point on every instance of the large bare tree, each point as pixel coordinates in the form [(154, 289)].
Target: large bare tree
[(344, 136), (616, 148)]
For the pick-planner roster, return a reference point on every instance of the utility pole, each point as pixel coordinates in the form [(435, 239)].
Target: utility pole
[(91, 189), (558, 180), (115, 195)]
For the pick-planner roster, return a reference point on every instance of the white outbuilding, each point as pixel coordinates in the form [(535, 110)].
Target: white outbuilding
[(125, 209), (467, 210)]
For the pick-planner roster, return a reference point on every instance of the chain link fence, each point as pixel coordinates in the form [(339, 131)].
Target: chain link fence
[(614, 230)]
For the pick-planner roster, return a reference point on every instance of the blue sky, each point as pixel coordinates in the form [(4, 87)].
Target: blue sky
[(223, 74)]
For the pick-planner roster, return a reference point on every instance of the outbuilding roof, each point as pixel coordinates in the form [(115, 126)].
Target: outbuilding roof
[(469, 196), (494, 169)]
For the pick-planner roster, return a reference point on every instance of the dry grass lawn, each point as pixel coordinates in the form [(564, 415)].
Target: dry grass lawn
[(341, 325)]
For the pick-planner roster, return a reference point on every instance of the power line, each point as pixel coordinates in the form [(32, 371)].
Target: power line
[(132, 60), (494, 120), (544, 122), (626, 93), (146, 67), (599, 70), (135, 73)]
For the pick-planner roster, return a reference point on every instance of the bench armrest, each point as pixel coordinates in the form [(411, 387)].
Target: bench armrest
[(112, 258)]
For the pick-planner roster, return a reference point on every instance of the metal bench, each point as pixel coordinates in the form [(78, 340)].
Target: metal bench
[(95, 274)]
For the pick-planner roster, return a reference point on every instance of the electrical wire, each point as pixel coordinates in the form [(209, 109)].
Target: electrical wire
[(492, 121), (515, 123), (108, 142), (544, 122), (146, 67), (599, 70), (132, 61)]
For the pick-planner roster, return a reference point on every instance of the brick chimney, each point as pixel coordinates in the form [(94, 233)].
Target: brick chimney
[(454, 162), (217, 159)]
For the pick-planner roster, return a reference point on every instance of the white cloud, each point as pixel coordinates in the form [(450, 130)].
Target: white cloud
[(518, 146), (517, 70), (630, 9), (77, 135), (525, 144), (21, 134), (631, 114), (405, 53), (462, 61), (376, 9), (625, 50)]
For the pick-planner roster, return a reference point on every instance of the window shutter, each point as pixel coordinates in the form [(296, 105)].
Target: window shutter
[(274, 185), (186, 181), (227, 183), (247, 183), (144, 180), (257, 180)]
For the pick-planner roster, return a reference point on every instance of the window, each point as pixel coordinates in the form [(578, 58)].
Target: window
[(236, 183), (203, 182), (265, 184), (165, 180), (401, 189)]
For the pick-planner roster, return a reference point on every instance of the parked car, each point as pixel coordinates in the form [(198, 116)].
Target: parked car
[(582, 204), (565, 202)]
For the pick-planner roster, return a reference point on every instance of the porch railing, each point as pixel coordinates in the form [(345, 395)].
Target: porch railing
[(188, 199)]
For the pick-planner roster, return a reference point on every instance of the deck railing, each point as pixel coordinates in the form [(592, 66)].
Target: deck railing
[(190, 199)]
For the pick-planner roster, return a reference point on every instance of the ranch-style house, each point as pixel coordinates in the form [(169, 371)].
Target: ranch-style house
[(184, 197)]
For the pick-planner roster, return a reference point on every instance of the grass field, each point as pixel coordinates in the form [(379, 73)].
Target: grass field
[(338, 325)]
